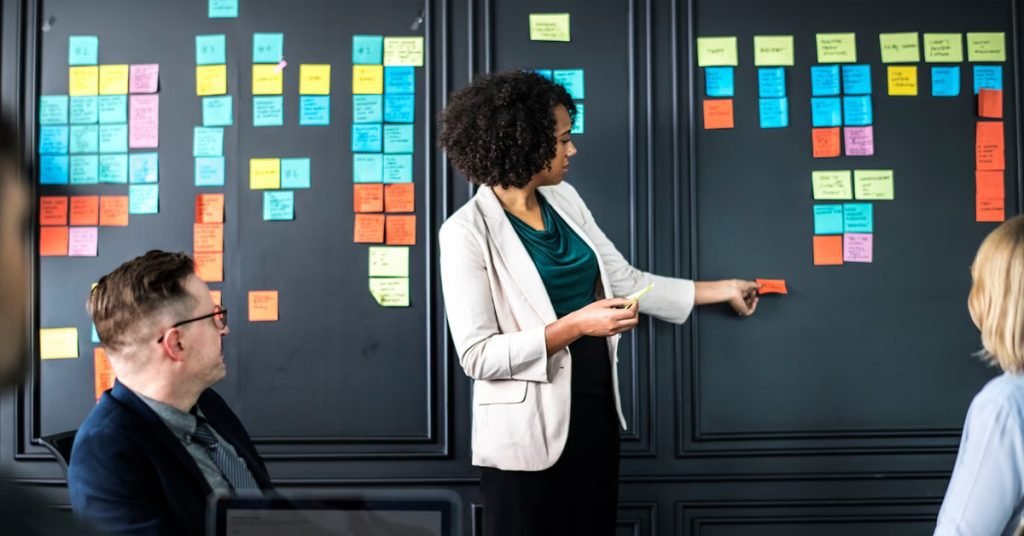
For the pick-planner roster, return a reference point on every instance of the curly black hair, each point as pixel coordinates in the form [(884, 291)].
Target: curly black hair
[(499, 131)]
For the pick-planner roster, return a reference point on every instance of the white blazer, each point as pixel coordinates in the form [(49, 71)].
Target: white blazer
[(497, 310)]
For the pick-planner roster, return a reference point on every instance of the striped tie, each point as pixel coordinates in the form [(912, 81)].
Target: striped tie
[(231, 467)]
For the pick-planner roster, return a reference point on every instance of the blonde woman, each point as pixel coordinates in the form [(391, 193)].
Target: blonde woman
[(986, 494)]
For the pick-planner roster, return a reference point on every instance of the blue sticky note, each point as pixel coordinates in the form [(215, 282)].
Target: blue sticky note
[(217, 111), (144, 199), (85, 110), (85, 139), (398, 138), (546, 73), (774, 112), (367, 167), (858, 218), (294, 173), (114, 138), (571, 79), (279, 205), (113, 108), (83, 50), (718, 81), (857, 79), (399, 108), (398, 168), (367, 49), (267, 47), (824, 80), (826, 112), (366, 138), (577, 121), (771, 82), (53, 139), (143, 167), (400, 80), (828, 219), (211, 49), (53, 169), (114, 168), (209, 171), (367, 108), (945, 81), (208, 141), (95, 335), (988, 77), (53, 110), (268, 111), (223, 9), (85, 169), (857, 110), (315, 110)]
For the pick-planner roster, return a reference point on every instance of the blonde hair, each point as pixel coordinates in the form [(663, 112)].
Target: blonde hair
[(996, 301)]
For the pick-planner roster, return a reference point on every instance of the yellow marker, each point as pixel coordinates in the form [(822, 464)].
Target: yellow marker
[(635, 297)]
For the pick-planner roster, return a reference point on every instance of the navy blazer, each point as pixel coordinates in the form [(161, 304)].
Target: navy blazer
[(129, 474)]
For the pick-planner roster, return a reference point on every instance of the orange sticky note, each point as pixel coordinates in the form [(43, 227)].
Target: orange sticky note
[(368, 197), (85, 210), (369, 229), (989, 149), (208, 237), (990, 103), (400, 197), (103, 373), (828, 250), (114, 210), (262, 306), (210, 267), (717, 113), (215, 296), (825, 142), (210, 208), (990, 209), (989, 184), (53, 241), (771, 286), (53, 210), (401, 230)]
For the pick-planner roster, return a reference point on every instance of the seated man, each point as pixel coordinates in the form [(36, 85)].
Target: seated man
[(159, 443)]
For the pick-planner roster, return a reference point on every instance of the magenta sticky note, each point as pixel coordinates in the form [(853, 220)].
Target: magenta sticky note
[(144, 78), (857, 247), (144, 121), (860, 141), (82, 241)]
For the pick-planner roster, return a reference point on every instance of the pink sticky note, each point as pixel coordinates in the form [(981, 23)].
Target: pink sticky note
[(857, 247), (82, 241), (281, 65), (860, 141), (144, 78), (144, 121)]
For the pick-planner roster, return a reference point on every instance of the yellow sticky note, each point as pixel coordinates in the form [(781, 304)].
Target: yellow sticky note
[(267, 79), (943, 47), (83, 80), (900, 47), (265, 173), (314, 79), (716, 51), (986, 46), (873, 184), (390, 291), (113, 79), (58, 343), (367, 79), (211, 80), (403, 51), (773, 50), (837, 48), (549, 27), (902, 80), (832, 185), (389, 261)]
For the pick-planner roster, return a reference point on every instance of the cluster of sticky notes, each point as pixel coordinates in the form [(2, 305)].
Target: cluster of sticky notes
[(263, 306), (841, 97), (68, 226), (208, 237), (772, 53), (719, 57), (268, 79), (217, 112), (389, 275), (208, 150), (572, 81), (549, 27), (843, 232), (278, 177)]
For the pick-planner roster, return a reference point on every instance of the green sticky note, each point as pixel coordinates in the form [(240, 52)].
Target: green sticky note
[(832, 185), (211, 49), (858, 218), (367, 109), (143, 167), (84, 139), (113, 168), (397, 168), (367, 167), (873, 184), (217, 111), (773, 50), (267, 47), (111, 108), (85, 110), (114, 138), (398, 138), (389, 261), (716, 51), (209, 171), (899, 47), (943, 48), (828, 219), (268, 111), (295, 173), (144, 199), (85, 169), (577, 122), (53, 110), (367, 49), (208, 141), (83, 50), (837, 48), (279, 205), (223, 9), (390, 291), (572, 80), (986, 46), (549, 27)]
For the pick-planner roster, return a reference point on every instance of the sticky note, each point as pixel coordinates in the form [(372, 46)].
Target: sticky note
[(400, 197), (546, 73), (53, 139), (267, 79), (988, 184), (825, 142), (549, 27), (873, 184), (578, 119), (144, 199), (388, 261), (85, 210), (83, 50), (113, 138), (902, 80), (400, 230), (143, 168), (718, 81), (267, 47), (209, 171), (774, 113), (718, 113), (111, 108), (113, 168), (828, 250), (85, 169), (207, 141), (824, 80), (143, 122), (943, 48), (210, 266), (366, 138), (832, 185), (210, 208), (368, 197), (53, 110), (267, 111), (367, 79), (264, 173), (716, 51), (53, 169), (114, 210), (58, 343), (945, 81), (144, 78), (990, 209), (367, 49), (398, 138), (314, 110), (211, 80), (857, 79), (771, 286), (223, 9), (837, 48), (407, 51), (990, 103), (83, 242), (369, 229), (217, 111), (397, 168), (113, 79), (83, 81), (857, 247), (400, 80), (857, 110), (314, 79), (279, 205), (53, 241), (210, 50), (295, 173), (263, 306), (828, 219), (986, 46), (367, 167), (773, 50), (390, 291), (988, 77), (103, 373), (53, 210), (85, 110), (825, 112), (858, 218), (95, 336), (84, 139), (208, 237), (860, 141), (899, 47), (367, 108), (571, 80), (990, 154), (771, 82)]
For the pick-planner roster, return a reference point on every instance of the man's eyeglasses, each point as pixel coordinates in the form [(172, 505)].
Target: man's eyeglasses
[(219, 316)]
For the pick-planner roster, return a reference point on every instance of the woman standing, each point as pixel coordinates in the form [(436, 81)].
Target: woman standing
[(529, 283)]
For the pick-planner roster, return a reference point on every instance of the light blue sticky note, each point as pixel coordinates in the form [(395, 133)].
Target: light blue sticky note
[(988, 77), (824, 80), (315, 110), (945, 80), (857, 110), (95, 335), (53, 110), (857, 79), (399, 108), (85, 110), (53, 139), (83, 50), (85, 169), (398, 138), (774, 112), (217, 111), (398, 168), (114, 168), (366, 138), (267, 47), (828, 219), (114, 138), (546, 73), (53, 169), (144, 199), (826, 112), (771, 82), (223, 9), (279, 205), (113, 108), (85, 139), (367, 167), (143, 167), (571, 79), (367, 49), (858, 218), (208, 141), (211, 49), (718, 81), (294, 173), (268, 111), (577, 122), (209, 171), (367, 108), (400, 80)]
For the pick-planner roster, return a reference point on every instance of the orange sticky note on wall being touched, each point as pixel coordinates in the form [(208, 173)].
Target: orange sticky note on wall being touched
[(771, 286), (53, 210), (114, 210), (825, 142), (262, 306), (990, 103), (828, 250), (369, 229), (368, 197), (210, 208), (718, 113), (401, 230), (103, 373), (53, 241), (210, 267)]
